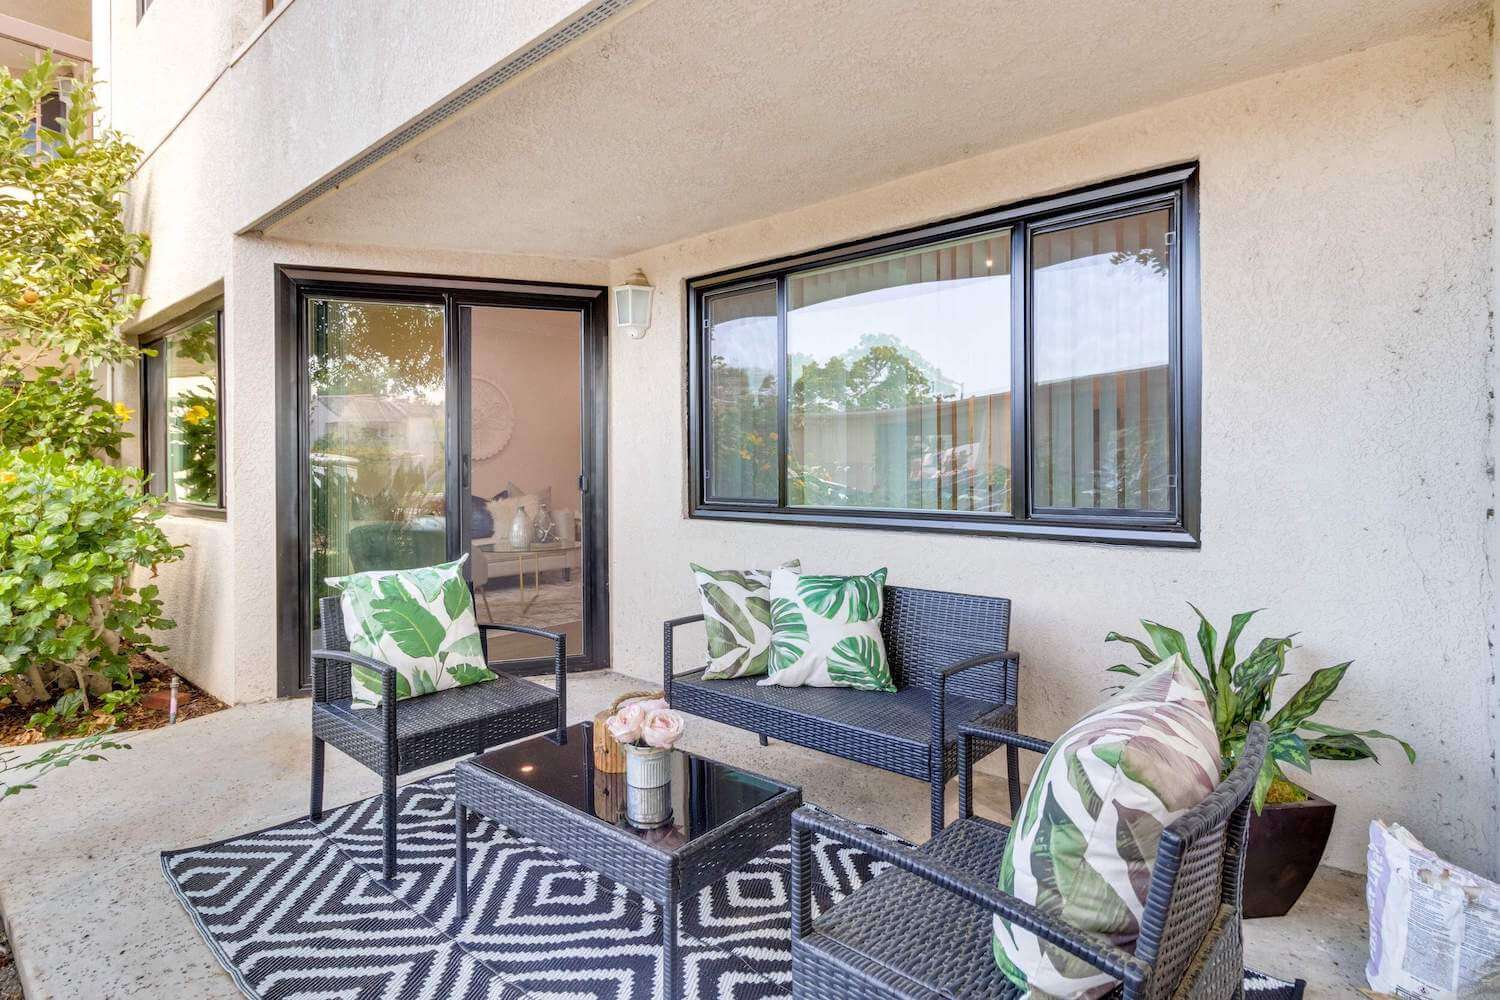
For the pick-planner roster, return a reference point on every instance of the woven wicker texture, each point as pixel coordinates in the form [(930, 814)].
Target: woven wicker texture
[(465, 720), (925, 930), (949, 659), (850, 720), (921, 932), (660, 874), (927, 631), (400, 736)]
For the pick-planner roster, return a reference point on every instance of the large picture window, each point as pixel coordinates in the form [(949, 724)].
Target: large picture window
[(1031, 370), (180, 413)]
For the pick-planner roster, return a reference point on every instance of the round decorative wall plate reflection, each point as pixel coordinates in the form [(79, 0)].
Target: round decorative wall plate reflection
[(494, 419)]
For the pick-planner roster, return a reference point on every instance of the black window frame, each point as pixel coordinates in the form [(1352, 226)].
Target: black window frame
[(154, 415), (1176, 187)]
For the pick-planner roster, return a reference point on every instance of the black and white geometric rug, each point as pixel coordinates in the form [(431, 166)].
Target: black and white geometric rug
[(299, 911)]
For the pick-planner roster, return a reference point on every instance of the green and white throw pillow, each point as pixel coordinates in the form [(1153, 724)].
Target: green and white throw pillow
[(1084, 842), (420, 621), (737, 614), (825, 631)]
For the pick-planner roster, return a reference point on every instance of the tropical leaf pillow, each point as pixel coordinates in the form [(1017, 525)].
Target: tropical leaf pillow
[(825, 631), (1083, 845), (420, 621), (737, 614)]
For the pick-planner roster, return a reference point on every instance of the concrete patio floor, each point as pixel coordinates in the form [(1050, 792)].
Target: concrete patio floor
[(89, 914)]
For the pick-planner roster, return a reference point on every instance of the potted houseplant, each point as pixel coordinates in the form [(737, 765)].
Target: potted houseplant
[(1290, 825), (647, 731)]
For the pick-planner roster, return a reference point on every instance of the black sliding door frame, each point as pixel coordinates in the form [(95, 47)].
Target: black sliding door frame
[(295, 288)]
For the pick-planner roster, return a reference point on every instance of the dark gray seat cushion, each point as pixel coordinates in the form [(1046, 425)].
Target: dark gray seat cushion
[(849, 722), (917, 935), (514, 706)]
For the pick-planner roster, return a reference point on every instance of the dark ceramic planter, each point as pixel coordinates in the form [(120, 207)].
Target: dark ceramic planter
[(1286, 843)]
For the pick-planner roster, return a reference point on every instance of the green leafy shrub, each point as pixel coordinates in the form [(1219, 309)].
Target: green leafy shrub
[(73, 529), (12, 767), (72, 533), (1242, 691), (61, 411)]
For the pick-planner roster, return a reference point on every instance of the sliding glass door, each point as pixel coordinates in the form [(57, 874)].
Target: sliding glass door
[(377, 419), (435, 421), (527, 532)]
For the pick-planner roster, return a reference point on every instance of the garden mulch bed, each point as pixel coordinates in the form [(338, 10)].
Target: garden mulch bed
[(151, 675), (10, 979)]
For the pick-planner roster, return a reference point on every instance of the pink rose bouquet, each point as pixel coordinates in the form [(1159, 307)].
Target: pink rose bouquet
[(626, 724), (663, 728), (646, 723)]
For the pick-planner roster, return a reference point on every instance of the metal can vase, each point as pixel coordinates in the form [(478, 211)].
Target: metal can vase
[(648, 807), (648, 785)]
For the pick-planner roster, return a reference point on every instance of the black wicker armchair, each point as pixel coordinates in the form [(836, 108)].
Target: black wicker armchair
[(950, 662), (396, 737), (924, 929)]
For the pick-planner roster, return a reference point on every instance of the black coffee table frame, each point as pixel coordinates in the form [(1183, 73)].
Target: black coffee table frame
[(663, 875)]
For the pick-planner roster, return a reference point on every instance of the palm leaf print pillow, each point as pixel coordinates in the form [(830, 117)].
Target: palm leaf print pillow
[(737, 614), (1084, 842), (420, 621), (825, 632)]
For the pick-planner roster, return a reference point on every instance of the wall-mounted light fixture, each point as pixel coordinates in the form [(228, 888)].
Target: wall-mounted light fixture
[(633, 305)]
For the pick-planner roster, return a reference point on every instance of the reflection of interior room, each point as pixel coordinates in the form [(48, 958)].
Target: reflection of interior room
[(526, 449)]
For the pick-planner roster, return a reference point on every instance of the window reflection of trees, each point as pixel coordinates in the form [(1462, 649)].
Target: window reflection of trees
[(378, 389), (919, 440), (191, 357)]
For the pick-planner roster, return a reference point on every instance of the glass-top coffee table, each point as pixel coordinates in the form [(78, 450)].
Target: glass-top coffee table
[(550, 792)]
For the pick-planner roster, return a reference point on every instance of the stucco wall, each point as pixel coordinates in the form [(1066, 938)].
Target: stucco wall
[(273, 111), (1345, 237)]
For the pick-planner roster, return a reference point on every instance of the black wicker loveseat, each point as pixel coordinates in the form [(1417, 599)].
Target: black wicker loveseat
[(923, 929), (950, 661)]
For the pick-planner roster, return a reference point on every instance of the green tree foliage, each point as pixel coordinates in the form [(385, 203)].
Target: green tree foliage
[(884, 377), (74, 530), (65, 260)]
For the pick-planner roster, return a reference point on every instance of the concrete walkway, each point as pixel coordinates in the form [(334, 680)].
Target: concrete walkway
[(90, 915)]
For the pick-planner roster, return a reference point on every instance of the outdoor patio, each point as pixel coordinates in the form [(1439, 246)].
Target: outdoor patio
[(922, 398), (246, 768)]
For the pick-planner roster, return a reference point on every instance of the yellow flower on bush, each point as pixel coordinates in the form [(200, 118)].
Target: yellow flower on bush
[(195, 414), (123, 412), (6, 478)]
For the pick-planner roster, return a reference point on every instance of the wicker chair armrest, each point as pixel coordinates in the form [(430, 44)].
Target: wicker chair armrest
[(667, 628), (540, 633), (979, 729), (993, 727), (1010, 678), (974, 661), (1090, 947), (559, 663), (354, 659), (387, 683), (940, 693)]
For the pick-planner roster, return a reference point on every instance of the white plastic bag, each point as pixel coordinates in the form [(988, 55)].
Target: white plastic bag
[(1434, 927)]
